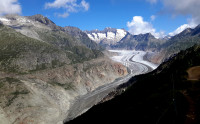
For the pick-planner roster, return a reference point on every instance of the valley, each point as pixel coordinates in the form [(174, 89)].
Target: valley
[(53, 75), (133, 60)]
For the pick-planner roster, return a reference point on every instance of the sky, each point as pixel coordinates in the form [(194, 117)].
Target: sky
[(159, 17)]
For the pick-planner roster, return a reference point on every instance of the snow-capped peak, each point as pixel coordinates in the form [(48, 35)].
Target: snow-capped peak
[(107, 36)]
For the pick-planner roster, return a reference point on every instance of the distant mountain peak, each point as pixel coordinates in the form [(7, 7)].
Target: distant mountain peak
[(40, 18), (108, 36)]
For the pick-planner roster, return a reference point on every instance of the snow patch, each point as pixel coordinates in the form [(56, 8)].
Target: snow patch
[(5, 21), (101, 36), (120, 34), (110, 35), (90, 36), (95, 35)]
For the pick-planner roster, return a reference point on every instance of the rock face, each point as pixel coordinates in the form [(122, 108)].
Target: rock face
[(46, 96), (82, 36), (181, 41), (44, 67), (144, 42)]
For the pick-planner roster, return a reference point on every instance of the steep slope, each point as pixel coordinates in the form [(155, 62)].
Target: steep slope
[(164, 96), (139, 42), (82, 36), (43, 29), (19, 53), (44, 97), (175, 44), (41, 74), (182, 41)]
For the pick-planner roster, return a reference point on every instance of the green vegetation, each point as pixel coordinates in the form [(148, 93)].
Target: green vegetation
[(66, 86), (75, 49), (15, 46), (15, 95), (182, 41), (10, 80), (21, 54)]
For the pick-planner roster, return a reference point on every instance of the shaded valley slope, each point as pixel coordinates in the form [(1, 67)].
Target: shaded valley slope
[(165, 96)]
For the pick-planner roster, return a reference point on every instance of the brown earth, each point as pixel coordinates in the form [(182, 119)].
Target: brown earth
[(194, 73)]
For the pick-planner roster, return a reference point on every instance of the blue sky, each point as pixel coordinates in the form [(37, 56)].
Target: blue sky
[(98, 14)]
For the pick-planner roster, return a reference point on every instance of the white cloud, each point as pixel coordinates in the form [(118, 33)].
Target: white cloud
[(85, 5), (10, 7), (152, 1), (64, 15), (70, 6), (153, 17), (184, 7), (181, 7), (139, 26)]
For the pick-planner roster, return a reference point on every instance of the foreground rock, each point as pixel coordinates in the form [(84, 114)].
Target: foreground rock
[(46, 96)]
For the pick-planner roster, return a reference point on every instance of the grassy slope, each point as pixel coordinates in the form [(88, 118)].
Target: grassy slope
[(19, 53), (77, 51), (152, 99), (14, 45), (177, 44)]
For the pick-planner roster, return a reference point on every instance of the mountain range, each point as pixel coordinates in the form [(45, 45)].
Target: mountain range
[(168, 95), (45, 67), (165, 47)]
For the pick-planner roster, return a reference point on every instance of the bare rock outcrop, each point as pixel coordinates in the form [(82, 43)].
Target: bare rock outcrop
[(45, 96)]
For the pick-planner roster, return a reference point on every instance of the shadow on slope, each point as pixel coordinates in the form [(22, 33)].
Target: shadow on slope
[(164, 96)]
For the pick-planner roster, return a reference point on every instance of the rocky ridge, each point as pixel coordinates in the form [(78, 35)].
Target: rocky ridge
[(44, 67)]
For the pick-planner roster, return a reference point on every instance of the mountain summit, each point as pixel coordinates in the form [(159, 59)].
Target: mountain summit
[(108, 36)]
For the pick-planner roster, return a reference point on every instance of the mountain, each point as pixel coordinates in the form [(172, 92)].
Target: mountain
[(181, 41), (41, 28), (44, 68), (82, 36), (112, 38), (139, 42), (168, 95), (107, 37), (186, 39), (19, 53)]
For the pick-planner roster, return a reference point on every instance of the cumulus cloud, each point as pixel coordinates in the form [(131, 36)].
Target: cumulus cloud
[(139, 26), (10, 7), (69, 6)]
